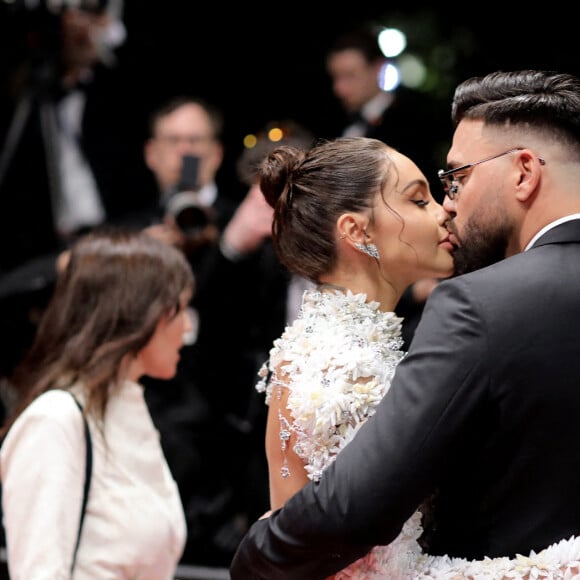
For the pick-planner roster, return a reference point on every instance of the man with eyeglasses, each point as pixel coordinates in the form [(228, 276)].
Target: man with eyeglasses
[(185, 153), (481, 421)]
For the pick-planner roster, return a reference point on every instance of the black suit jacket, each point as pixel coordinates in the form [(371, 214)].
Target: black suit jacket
[(482, 414)]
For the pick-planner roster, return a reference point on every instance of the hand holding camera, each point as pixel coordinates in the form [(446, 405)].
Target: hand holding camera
[(193, 221)]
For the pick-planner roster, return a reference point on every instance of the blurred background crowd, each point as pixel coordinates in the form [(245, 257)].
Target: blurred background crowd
[(153, 115)]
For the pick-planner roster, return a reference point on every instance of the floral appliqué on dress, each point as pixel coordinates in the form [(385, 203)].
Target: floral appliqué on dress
[(338, 359)]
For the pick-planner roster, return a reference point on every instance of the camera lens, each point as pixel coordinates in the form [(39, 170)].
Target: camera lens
[(190, 216), (192, 219)]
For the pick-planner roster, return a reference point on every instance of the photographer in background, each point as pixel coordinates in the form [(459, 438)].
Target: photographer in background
[(68, 160), (184, 153)]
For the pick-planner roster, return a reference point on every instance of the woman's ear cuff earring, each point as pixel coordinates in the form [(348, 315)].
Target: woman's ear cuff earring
[(369, 250)]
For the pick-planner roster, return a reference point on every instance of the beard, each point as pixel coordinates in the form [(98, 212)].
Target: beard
[(481, 244)]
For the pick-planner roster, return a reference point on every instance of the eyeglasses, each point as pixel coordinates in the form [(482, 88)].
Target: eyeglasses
[(190, 140), (449, 179)]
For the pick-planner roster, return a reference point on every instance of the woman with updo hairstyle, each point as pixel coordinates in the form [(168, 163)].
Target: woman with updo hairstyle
[(357, 218), (309, 190)]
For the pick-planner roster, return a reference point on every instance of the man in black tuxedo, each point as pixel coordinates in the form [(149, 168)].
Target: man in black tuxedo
[(482, 415)]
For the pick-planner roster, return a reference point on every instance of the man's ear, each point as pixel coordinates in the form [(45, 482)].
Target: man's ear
[(530, 168)]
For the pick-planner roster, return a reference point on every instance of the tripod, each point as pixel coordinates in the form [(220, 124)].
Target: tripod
[(37, 93)]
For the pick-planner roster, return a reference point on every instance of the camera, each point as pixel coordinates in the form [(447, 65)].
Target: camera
[(190, 215)]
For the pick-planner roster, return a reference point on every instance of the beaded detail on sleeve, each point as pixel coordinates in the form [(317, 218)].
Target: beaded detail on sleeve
[(337, 359)]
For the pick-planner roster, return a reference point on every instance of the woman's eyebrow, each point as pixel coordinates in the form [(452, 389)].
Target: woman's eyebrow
[(413, 183)]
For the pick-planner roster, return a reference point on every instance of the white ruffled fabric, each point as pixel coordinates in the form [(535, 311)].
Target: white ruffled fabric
[(338, 359), (341, 353)]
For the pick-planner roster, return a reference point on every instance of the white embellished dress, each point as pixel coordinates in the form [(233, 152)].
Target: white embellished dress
[(338, 359)]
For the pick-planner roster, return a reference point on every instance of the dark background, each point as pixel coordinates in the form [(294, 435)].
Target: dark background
[(262, 62)]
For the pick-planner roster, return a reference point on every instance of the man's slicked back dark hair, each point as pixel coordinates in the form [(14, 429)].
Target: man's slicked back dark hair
[(548, 101)]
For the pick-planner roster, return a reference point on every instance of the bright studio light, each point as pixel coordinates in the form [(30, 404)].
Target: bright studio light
[(392, 42), (389, 77)]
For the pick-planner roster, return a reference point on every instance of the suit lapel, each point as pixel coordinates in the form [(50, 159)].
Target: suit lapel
[(563, 233)]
